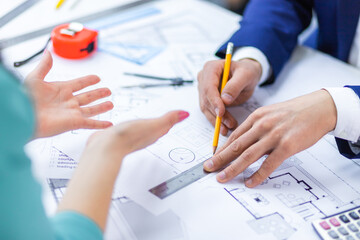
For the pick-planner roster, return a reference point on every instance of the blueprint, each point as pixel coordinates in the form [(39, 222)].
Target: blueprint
[(128, 220), (174, 40)]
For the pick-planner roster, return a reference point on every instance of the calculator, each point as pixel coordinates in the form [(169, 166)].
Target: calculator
[(344, 225)]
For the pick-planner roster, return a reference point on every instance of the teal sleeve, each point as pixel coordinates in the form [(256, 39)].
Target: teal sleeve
[(72, 225), (22, 215)]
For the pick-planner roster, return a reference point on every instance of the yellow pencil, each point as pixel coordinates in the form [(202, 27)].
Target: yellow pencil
[(58, 5), (229, 50)]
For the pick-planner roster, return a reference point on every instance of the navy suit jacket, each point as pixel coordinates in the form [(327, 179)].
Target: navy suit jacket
[(273, 26)]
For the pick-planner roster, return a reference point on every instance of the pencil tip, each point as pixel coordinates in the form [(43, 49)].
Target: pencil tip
[(214, 149)]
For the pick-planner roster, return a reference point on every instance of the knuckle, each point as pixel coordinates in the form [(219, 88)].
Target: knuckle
[(248, 155), (220, 160), (209, 64), (231, 170), (264, 125), (257, 114), (276, 133), (286, 145), (236, 146), (232, 137), (263, 172)]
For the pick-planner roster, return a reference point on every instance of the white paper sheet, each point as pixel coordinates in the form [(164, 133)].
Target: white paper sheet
[(312, 184)]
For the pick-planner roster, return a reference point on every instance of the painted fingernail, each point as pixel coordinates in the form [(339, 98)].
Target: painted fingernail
[(183, 115), (248, 182), (209, 165), (226, 97), (217, 111), (221, 175)]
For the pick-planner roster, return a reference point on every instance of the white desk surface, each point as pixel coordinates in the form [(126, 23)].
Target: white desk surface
[(280, 208)]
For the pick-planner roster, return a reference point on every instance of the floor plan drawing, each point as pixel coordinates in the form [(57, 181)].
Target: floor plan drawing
[(129, 220), (286, 200)]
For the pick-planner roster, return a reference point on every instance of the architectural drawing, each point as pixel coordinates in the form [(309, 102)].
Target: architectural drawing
[(181, 155), (286, 200), (141, 44), (128, 220)]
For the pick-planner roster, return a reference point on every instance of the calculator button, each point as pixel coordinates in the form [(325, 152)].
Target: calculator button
[(353, 228), (343, 231), (349, 238), (335, 222), (358, 235), (333, 234), (325, 225), (354, 216), (344, 219)]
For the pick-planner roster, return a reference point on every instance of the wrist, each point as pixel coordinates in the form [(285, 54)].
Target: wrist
[(329, 116)]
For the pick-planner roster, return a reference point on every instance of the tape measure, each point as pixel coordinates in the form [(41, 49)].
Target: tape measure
[(180, 181), (73, 41)]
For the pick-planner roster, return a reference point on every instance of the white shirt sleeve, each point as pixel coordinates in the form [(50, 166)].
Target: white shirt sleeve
[(347, 104), (257, 55)]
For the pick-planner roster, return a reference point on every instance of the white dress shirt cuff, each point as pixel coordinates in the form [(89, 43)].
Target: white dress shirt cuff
[(347, 105), (257, 55)]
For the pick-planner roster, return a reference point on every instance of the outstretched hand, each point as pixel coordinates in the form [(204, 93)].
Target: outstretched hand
[(58, 109)]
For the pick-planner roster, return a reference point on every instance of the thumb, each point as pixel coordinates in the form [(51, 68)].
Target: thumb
[(43, 68)]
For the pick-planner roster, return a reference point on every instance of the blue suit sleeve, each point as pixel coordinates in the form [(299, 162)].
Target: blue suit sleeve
[(344, 145), (273, 27)]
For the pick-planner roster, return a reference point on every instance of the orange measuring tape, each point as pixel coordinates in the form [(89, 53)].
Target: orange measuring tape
[(71, 41)]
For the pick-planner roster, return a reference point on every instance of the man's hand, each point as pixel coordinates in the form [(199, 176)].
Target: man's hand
[(243, 78), (279, 131), (57, 108)]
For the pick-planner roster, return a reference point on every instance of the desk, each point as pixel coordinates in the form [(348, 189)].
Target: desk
[(312, 184)]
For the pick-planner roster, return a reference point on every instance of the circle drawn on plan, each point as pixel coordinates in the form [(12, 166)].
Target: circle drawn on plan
[(181, 155)]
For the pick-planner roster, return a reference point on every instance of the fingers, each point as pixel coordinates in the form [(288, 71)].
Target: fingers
[(81, 83), (271, 163), (235, 86), (91, 96), (97, 109), (140, 134), (94, 124), (40, 72), (233, 149), (212, 119), (209, 82), (247, 157), (162, 125)]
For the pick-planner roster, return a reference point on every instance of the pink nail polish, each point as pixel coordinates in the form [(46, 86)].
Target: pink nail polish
[(183, 115)]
